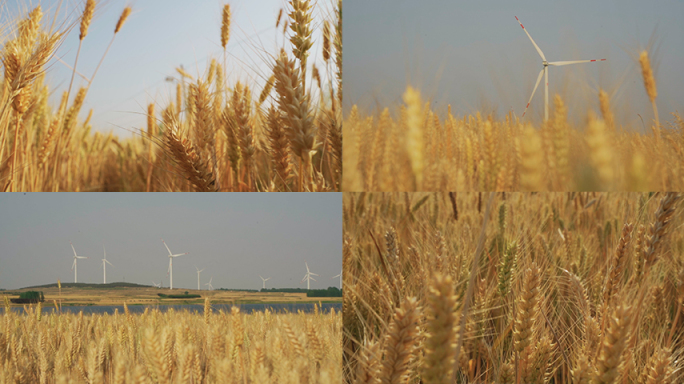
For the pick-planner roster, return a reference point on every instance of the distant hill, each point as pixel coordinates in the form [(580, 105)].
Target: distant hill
[(92, 286)]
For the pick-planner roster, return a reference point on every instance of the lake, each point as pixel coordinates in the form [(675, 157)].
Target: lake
[(244, 308)]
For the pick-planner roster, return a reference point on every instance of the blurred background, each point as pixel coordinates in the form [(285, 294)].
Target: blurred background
[(475, 56)]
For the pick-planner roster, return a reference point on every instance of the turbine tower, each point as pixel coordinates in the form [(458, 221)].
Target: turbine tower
[(545, 72), (264, 280), (198, 279), (308, 277), (74, 266), (104, 264), (340, 276), (171, 256), (209, 286)]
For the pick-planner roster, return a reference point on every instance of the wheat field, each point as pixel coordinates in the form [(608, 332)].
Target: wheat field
[(170, 347), (214, 136), (416, 148), (513, 288)]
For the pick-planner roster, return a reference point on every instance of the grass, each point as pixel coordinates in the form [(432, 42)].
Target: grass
[(416, 148), (171, 347), (513, 288), (216, 136)]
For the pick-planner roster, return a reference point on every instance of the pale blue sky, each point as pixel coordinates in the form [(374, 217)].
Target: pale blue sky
[(159, 36), (474, 54), (235, 236)]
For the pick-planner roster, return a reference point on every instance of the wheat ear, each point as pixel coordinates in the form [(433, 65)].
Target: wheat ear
[(651, 90), (658, 229), (608, 365), (440, 345), (400, 342)]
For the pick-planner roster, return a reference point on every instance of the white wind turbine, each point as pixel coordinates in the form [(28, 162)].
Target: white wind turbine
[(74, 266), (171, 256), (198, 278), (209, 286), (264, 280), (545, 72), (340, 276), (104, 264), (308, 277), (158, 285)]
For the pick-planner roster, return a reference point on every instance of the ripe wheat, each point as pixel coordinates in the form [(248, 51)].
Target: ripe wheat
[(170, 347), (567, 288), (215, 137), (416, 148)]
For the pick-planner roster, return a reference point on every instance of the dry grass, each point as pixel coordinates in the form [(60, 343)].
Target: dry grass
[(170, 347), (415, 148), (514, 288), (214, 137)]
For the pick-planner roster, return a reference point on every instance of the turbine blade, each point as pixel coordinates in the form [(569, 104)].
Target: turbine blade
[(311, 273), (72, 247), (533, 91), (561, 63), (535, 44), (312, 278), (107, 261), (180, 254), (167, 247)]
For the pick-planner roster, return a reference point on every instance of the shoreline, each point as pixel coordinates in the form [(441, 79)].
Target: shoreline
[(142, 296)]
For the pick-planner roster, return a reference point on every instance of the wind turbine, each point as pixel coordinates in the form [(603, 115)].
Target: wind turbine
[(75, 265), (158, 285), (545, 72), (171, 256), (308, 277), (340, 276), (210, 287), (264, 280), (104, 264), (198, 279)]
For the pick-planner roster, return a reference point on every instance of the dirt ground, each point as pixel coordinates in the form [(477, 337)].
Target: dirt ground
[(116, 296)]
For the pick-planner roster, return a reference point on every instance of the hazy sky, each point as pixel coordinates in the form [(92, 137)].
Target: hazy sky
[(235, 236), (158, 37), (474, 54)]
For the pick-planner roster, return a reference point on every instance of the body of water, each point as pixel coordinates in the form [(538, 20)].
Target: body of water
[(244, 308)]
